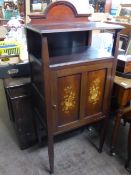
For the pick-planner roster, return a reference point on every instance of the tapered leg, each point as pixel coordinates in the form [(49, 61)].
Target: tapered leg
[(115, 131), (103, 134), (129, 151), (51, 152)]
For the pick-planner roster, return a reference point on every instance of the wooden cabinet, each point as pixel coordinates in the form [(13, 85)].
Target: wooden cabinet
[(79, 95), (71, 80), (123, 68), (18, 93)]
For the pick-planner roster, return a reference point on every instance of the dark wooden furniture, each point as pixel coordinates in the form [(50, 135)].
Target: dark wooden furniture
[(126, 31), (127, 118), (18, 93), (124, 66), (71, 80), (124, 63), (22, 7), (122, 91), (15, 70)]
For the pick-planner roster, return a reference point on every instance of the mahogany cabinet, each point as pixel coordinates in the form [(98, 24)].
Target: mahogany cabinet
[(71, 80), (79, 94)]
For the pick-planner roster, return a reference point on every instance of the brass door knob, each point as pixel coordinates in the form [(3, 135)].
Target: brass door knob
[(54, 106)]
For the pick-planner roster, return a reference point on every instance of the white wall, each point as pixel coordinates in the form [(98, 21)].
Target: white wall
[(121, 2), (82, 6), (125, 1)]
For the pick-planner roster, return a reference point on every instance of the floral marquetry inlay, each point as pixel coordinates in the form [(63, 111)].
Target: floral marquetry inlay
[(69, 99), (94, 91)]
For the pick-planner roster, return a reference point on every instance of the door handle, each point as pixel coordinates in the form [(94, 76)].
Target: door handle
[(54, 106)]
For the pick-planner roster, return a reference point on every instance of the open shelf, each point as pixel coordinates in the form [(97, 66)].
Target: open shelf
[(82, 55)]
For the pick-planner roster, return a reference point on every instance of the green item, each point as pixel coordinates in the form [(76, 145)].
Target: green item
[(10, 13)]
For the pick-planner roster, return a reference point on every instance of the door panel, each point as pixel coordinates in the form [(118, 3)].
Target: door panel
[(68, 99), (95, 91)]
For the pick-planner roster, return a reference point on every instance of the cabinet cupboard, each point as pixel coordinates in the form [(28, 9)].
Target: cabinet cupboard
[(71, 80), (79, 94)]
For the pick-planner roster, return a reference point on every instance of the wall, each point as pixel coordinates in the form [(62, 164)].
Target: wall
[(27, 10)]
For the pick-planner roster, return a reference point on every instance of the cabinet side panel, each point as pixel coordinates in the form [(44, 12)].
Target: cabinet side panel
[(34, 43), (23, 121), (95, 91), (68, 98), (36, 75)]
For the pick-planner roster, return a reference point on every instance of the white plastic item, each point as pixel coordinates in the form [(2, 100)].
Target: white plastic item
[(103, 41), (13, 23)]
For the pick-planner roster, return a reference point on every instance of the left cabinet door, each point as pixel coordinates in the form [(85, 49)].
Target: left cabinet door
[(66, 95)]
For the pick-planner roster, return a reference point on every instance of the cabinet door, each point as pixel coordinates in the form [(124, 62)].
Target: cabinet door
[(80, 95), (97, 92), (66, 91)]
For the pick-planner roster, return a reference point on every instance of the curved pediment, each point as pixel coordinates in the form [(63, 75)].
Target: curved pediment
[(57, 12)]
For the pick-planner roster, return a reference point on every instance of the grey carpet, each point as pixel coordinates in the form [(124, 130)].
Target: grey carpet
[(74, 155)]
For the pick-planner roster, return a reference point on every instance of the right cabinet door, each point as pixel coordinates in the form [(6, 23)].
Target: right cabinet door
[(97, 93)]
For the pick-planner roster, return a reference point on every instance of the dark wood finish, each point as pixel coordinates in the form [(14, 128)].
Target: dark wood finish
[(127, 118), (18, 93), (14, 70), (95, 92), (22, 8), (125, 35), (3, 22), (71, 80), (129, 150), (122, 91), (68, 86), (126, 31), (58, 12), (123, 66)]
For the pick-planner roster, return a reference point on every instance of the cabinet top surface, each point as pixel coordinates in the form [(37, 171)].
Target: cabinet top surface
[(70, 27), (82, 56)]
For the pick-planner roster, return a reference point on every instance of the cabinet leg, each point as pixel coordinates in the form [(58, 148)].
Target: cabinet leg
[(129, 151), (115, 132), (51, 153), (103, 134)]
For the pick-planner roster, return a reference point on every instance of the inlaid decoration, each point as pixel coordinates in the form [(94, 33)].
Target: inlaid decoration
[(94, 92), (69, 100)]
